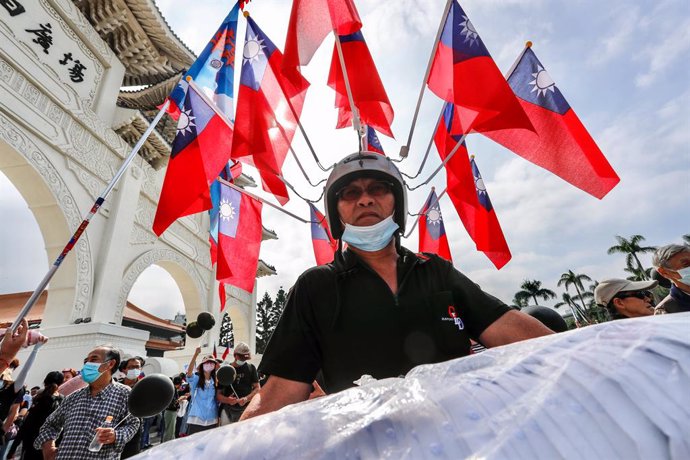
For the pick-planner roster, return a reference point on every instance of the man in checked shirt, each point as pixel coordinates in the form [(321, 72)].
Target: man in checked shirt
[(82, 414)]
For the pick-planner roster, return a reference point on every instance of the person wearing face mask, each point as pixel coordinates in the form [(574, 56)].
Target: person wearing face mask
[(203, 412), (81, 415), (234, 398), (131, 367), (378, 308), (673, 263)]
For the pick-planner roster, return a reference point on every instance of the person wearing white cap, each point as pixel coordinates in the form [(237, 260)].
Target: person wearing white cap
[(626, 299)]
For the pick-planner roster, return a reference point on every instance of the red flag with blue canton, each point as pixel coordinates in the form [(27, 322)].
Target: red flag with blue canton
[(265, 124), (226, 353), (321, 239), (464, 73), (222, 295), (373, 143), (230, 172), (213, 71), (310, 22), (561, 143), (368, 93), (469, 196), (239, 238), (200, 150), (432, 232)]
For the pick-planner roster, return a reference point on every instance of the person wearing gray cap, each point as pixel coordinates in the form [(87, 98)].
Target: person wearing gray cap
[(673, 263), (626, 299), (378, 309)]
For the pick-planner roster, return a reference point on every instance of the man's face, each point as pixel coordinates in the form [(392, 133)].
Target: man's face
[(365, 202), (240, 357), (675, 263), (634, 304), (133, 364), (98, 356)]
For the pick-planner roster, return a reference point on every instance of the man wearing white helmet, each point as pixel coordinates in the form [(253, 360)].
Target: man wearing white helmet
[(378, 308)]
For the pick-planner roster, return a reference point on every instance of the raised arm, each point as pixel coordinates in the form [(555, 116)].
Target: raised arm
[(276, 394), (11, 344), (511, 327), (192, 363)]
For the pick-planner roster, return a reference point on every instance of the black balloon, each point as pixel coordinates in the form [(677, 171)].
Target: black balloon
[(194, 330), (226, 375), (206, 320), (151, 395), (548, 317)]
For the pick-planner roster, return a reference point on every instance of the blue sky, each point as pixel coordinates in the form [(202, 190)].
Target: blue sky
[(622, 66)]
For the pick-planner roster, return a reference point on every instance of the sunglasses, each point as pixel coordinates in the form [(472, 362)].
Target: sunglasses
[(637, 294), (376, 189)]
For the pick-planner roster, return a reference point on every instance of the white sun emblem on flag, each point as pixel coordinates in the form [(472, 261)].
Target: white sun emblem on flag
[(186, 122), (253, 50), (542, 82), (226, 211), (469, 32), (481, 188), (434, 217)]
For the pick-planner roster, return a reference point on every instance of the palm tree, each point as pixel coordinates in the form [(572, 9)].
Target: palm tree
[(631, 248), (574, 309), (519, 302), (571, 279), (686, 238), (636, 275), (533, 289)]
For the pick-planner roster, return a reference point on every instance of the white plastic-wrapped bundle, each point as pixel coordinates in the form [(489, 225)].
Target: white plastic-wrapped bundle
[(615, 390)]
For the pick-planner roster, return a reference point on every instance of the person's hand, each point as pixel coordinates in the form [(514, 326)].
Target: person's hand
[(13, 342), (233, 400), (197, 351), (105, 435), (49, 450), (243, 401)]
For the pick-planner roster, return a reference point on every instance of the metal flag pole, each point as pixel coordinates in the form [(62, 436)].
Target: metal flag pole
[(422, 213), (428, 147), (462, 139), (356, 123), (257, 198), (405, 149), (87, 219)]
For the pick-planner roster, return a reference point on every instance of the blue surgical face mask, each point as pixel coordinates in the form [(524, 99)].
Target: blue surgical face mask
[(370, 238), (684, 275), (90, 373)]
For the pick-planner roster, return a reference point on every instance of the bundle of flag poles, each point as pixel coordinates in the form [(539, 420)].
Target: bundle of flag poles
[(524, 111)]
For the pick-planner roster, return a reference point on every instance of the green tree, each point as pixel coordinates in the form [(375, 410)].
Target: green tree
[(268, 313), (578, 315), (571, 278), (264, 329), (631, 248), (532, 289), (227, 336), (519, 302), (686, 238), (636, 274)]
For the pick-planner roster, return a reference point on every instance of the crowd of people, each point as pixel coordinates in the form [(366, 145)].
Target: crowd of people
[(378, 310)]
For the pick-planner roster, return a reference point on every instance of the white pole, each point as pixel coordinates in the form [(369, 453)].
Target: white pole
[(355, 112)]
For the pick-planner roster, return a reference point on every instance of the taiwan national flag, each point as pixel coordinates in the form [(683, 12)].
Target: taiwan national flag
[(373, 143), (468, 194), (368, 93), (324, 244), (200, 150), (239, 238), (213, 71), (464, 73), (310, 22), (268, 109), (432, 232), (230, 172), (561, 143)]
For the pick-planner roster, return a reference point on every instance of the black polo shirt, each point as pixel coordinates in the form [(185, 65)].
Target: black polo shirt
[(344, 319)]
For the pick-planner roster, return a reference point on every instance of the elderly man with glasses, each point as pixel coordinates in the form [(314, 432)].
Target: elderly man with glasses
[(626, 299), (673, 263), (378, 309)]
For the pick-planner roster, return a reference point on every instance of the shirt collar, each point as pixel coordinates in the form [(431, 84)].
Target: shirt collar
[(347, 260)]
